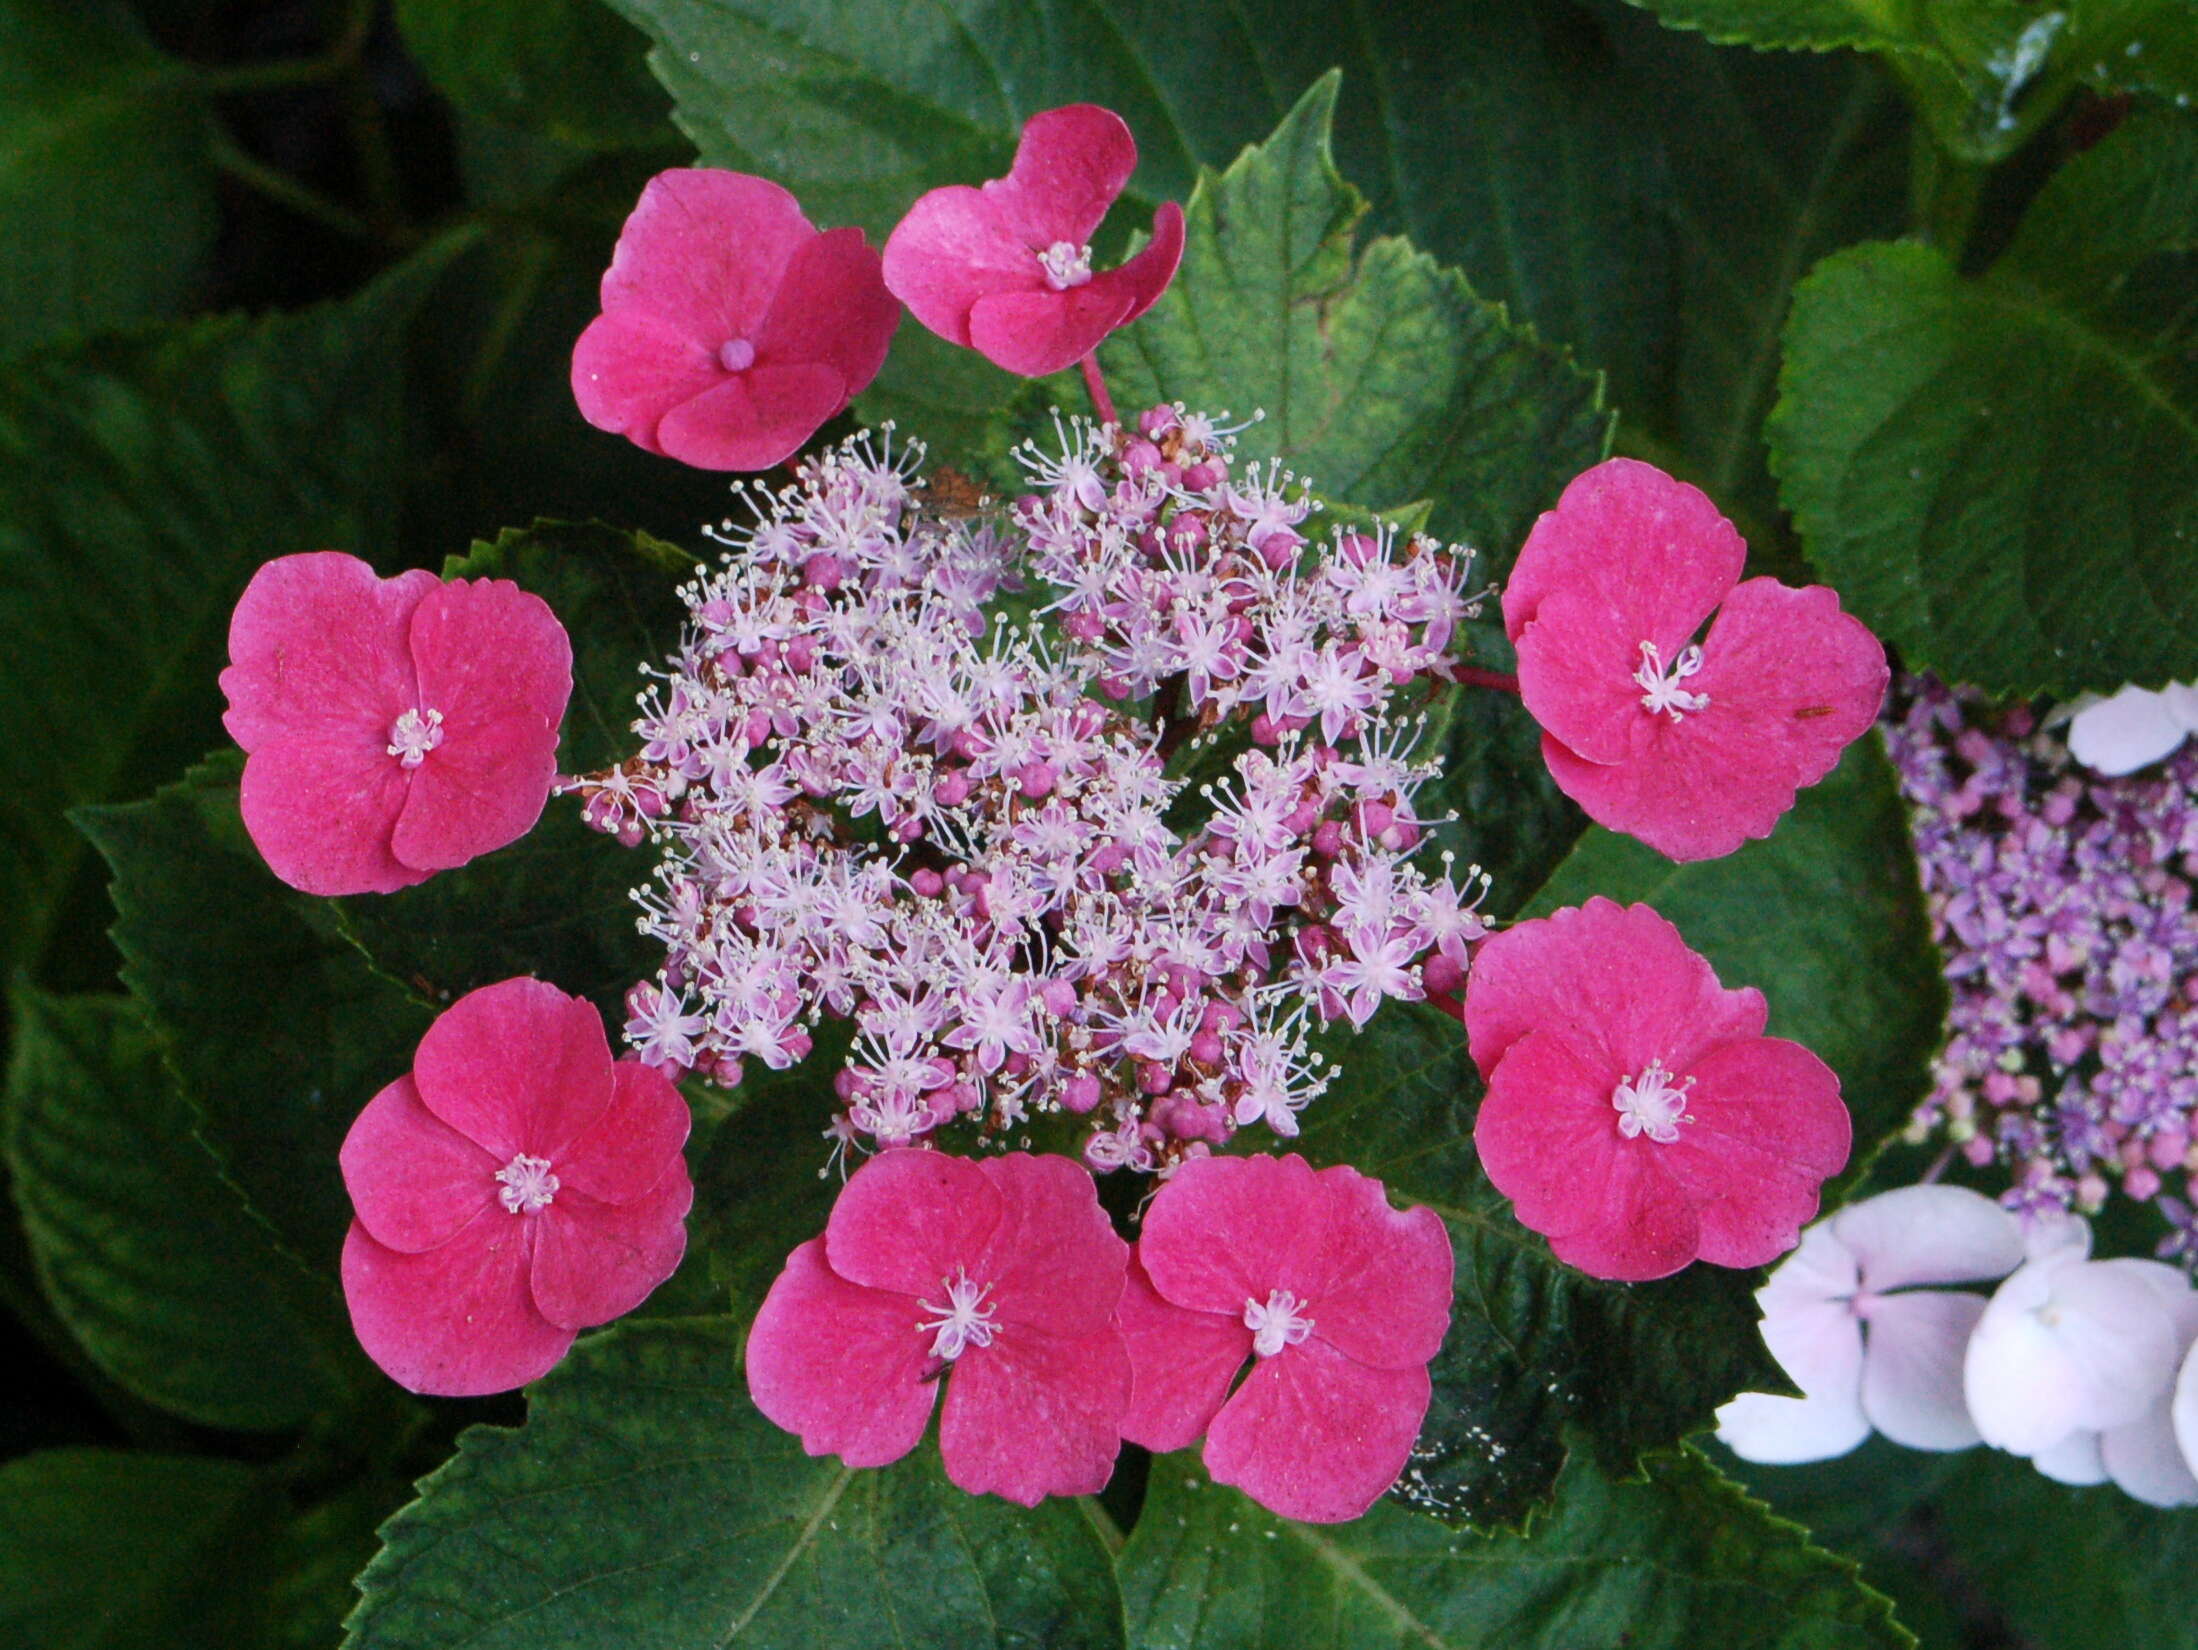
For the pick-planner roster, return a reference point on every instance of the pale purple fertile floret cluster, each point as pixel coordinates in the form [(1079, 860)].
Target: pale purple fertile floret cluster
[(881, 799), (2063, 902)]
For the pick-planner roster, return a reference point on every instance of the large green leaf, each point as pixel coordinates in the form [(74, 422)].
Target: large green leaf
[(278, 1030), (107, 206), (646, 1505), (1825, 917), (555, 903), (569, 68), (142, 480), (143, 1249), (104, 1550), (1382, 377), (2001, 474), (1679, 1560)]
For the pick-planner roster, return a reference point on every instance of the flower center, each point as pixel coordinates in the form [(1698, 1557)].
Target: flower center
[(1652, 1104), (528, 1185), (414, 734), (1660, 689), (964, 1321), (1066, 265), (1277, 1324), (737, 355)]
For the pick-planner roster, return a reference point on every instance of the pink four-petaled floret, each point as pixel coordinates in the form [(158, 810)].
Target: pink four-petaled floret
[(517, 1187), (393, 727), (1636, 1115)]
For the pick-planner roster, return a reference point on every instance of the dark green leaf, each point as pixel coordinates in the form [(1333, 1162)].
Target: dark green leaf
[(555, 903), (103, 1550), (569, 68), (1825, 917), (1534, 1345), (2001, 475), (145, 1251), (1382, 377), (107, 206), (278, 1030), (1678, 1561), (142, 481), (647, 1504)]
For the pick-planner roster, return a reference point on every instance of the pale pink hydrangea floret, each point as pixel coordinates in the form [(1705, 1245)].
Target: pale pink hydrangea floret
[(2132, 729), (732, 328), (1692, 746), (1339, 1300), (517, 1187), (1005, 268), (393, 728), (1000, 1277), (1859, 1318), (1636, 1115)]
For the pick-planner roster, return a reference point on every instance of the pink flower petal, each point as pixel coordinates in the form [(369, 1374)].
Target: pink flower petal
[(518, 1067), (2075, 1460), (839, 1365), (494, 661), (1226, 1230), (631, 368), (1034, 333), (1069, 166), (1647, 1229), (455, 1321), (1911, 1368), (413, 1179), (1314, 1436), (1054, 1260), (2129, 730), (1034, 1415), (320, 804), (596, 1261), (1656, 552), (1181, 1364), (953, 248), (1548, 1138), (2067, 1345), (1929, 1234), (1385, 1299), (317, 643), (1149, 273), (910, 1219), (1817, 1340), (626, 1152), (832, 308), (705, 250), (754, 419), (1781, 1432)]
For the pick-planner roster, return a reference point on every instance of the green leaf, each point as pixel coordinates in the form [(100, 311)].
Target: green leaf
[(1382, 377), (2076, 1569), (1676, 1561), (143, 1249), (569, 68), (646, 1502), (105, 1550), (2001, 475), (1825, 917), (556, 902), (107, 205), (1535, 1346), (142, 480), (278, 1031)]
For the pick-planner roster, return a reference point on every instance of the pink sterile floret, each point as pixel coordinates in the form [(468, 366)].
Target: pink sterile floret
[(1693, 747), (1636, 1115), (1005, 268), (394, 727), (732, 328), (1004, 1271), (1339, 1299), (517, 1187)]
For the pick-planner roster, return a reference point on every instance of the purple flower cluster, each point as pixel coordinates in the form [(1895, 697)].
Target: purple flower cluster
[(2064, 905), (880, 800)]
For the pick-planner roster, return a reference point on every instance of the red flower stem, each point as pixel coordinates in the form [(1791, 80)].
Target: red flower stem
[(1449, 1002), (1102, 403), (1473, 676)]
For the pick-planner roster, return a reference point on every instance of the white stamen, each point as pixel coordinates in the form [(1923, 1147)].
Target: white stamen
[(965, 1320), (1277, 1324), (1066, 265), (528, 1185), (737, 355), (1652, 1104), (413, 735), (1661, 692)]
